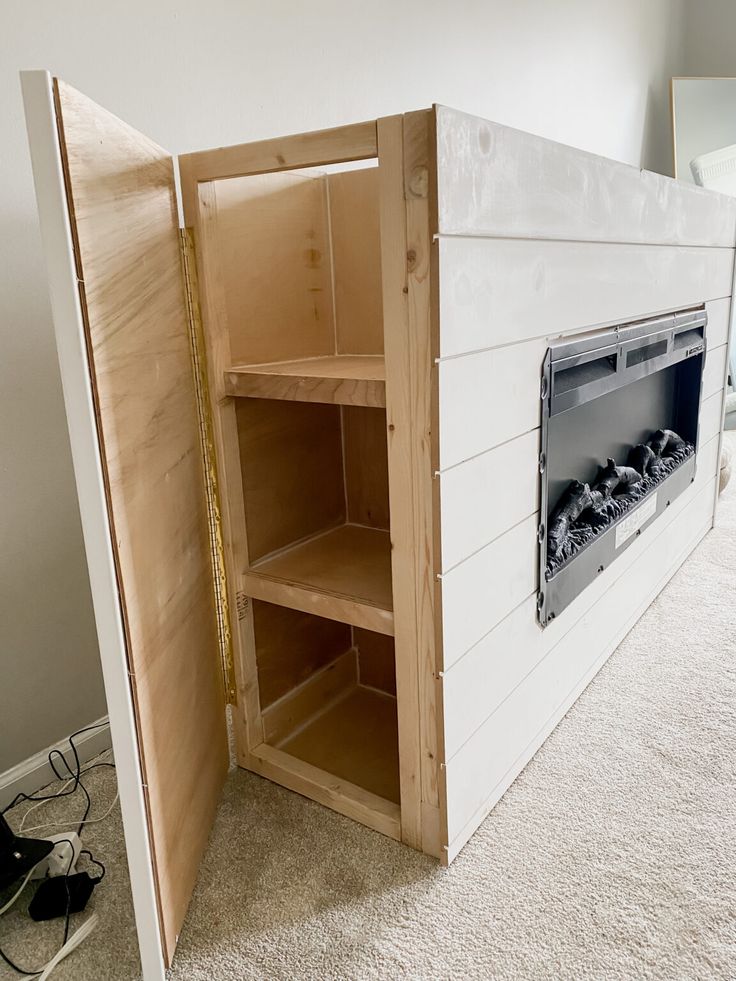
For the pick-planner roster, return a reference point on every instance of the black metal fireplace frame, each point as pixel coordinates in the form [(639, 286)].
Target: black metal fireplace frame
[(585, 368)]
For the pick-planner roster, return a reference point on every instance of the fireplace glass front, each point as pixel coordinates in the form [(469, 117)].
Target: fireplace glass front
[(619, 439)]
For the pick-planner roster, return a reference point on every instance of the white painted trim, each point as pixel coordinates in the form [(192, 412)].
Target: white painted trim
[(69, 329), (30, 775)]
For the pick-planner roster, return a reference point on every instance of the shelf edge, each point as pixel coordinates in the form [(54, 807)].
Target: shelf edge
[(320, 603), (339, 795), (306, 388)]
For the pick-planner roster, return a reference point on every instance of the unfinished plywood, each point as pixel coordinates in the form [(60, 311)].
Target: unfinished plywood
[(292, 471), (376, 660), (274, 246), (123, 211), (291, 646), (366, 466), (336, 379), (355, 739), (311, 698), (502, 182), (349, 562), (356, 256)]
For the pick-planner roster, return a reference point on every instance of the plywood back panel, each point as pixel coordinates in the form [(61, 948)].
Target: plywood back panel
[(376, 660), (356, 252), (494, 180), (274, 246), (291, 462), (122, 204), (291, 646), (366, 465)]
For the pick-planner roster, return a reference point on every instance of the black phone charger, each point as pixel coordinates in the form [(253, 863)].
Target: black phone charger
[(62, 894)]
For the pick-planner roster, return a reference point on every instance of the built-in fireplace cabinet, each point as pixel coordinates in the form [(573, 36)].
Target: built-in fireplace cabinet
[(319, 441)]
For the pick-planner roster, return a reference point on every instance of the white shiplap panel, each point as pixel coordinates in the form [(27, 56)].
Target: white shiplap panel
[(481, 590), (487, 764), (714, 372), (502, 291), (498, 181), (488, 398), (485, 496), (711, 417), (476, 684), (719, 318)]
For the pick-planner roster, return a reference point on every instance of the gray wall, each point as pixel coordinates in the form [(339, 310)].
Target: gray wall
[(710, 29), (592, 73)]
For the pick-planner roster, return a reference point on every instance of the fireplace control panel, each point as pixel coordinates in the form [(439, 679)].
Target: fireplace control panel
[(620, 411)]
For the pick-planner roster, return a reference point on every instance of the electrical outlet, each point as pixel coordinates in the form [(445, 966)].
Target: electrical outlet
[(67, 846)]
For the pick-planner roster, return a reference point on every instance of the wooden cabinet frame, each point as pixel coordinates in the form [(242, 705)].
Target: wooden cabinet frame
[(487, 243), (401, 146)]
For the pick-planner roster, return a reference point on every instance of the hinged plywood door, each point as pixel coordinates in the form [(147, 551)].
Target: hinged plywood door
[(108, 210)]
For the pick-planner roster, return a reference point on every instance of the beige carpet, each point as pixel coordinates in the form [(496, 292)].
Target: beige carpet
[(613, 856)]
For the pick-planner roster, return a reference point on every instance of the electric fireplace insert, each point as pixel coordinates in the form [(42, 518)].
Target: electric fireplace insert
[(620, 414)]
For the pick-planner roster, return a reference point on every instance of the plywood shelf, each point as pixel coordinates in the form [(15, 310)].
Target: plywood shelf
[(355, 739), (342, 574), (340, 379)]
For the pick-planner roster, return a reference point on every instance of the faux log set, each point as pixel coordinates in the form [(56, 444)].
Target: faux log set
[(585, 510)]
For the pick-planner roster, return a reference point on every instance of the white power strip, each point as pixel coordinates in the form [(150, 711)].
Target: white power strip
[(63, 859)]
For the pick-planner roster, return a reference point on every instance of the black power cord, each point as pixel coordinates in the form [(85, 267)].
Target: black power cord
[(20, 798), (76, 775), (67, 917)]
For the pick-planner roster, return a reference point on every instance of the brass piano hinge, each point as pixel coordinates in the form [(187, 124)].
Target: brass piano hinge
[(199, 365)]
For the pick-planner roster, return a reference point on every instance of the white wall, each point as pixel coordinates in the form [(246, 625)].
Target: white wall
[(592, 73)]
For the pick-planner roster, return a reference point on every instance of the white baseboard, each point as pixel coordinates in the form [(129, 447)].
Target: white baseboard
[(34, 773)]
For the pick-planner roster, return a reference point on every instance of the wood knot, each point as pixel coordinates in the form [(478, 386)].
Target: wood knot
[(419, 182)]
